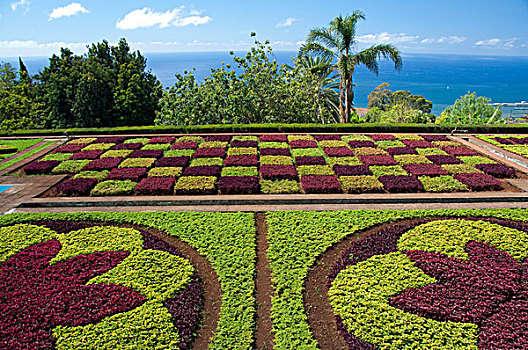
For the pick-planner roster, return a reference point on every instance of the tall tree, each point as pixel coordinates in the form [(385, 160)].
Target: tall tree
[(338, 42)]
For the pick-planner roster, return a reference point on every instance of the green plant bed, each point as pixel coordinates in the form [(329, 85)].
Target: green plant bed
[(58, 156), (165, 171), (360, 184), (240, 171), (207, 161), (89, 174), (279, 186), (70, 166), (114, 188), (442, 183)]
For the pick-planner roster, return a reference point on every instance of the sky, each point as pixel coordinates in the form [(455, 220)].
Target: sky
[(476, 27)]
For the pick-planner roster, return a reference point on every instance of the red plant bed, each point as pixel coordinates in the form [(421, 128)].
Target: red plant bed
[(443, 159), (480, 182), (205, 170), (460, 151), (102, 164), (496, 170), (218, 138), (155, 186), (275, 152), (306, 160), (378, 160), (401, 183), (324, 137), (401, 150), (209, 152), (133, 174), (162, 139), (127, 146), (418, 144), (68, 148), (432, 138), (320, 184), (79, 187), (273, 138), (172, 162), (278, 172), (41, 167), (237, 143), (351, 170), (303, 144), (520, 141), (382, 137), (184, 145), (241, 161), (338, 152), (238, 184), (504, 141), (112, 139), (147, 153), (424, 169), (86, 155), (356, 144)]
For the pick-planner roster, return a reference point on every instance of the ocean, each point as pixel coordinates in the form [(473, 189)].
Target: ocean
[(439, 78)]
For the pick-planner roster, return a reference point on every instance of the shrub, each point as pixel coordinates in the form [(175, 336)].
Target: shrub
[(480, 182), (117, 153), (351, 170), (315, 170), (278, 172), (155, 186), (307, 152), (338, 152), (141, 140), (165, 171), (369, 151), (57, 156), (441, 159), (147, 153), (273, 138), (332, 143), (70, 166), (430, 152), (240, 171), (238, 184), (411, 159), (344, 160), (359, 144), (389, 144), (378, 160), (207, 161), (460, 169), (221, 138), (86, 155), (310, 161), (276, 160), (303, 144), (184, 145), (401, 150), (99, 147), (300, 138), (442, 183), (237, 143), (127, 146), (111, 139), (424, 169), (155, 146), (42, 167), (320, 184), (179, 153), (324, 137), (81, 141), (401, 183), (205, 170), (99, 175), (134, 174), (382, 137), (68, 148), (273, 145), (114, 188), (137, 163), (474, 160), (360, 184), (275, 152), (76, 187), (496, 170), (209, 152), (213, 144), (162, 139), (195, 185), (241, 161), (460, 151), (245, 138), (418, 144), (190, 139), (431, 138), (102, 164), (242, 151), (172, 162), (381, 170), (279, 186)]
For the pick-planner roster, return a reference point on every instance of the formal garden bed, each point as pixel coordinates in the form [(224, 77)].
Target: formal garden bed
[(270, 164), (517, 144), (9, 148)]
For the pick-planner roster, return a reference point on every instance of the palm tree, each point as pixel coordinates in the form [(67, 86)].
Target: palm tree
[(337, 42)]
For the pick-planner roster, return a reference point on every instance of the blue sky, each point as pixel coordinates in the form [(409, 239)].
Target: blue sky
[(41, 27)]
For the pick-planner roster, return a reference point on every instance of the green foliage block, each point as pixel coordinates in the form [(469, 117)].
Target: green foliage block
[(343, 160), (307, 152), (142, 140), (430, 151), (178, 153), (70, 166), (121, 153), (369, 151), (474, 160), (389, 144), (207, 161), (90, 174), (380, 170), (81, 141), (114, 188), (443, 183), (279, 186), (213, 144), (195, 184), (242, 151), (455, 169), (14, 239), (315, 170), (98, 147), (165, 171), (331, 143), (276, 160), (412, 159), (154, 146), (58, 156), (360, 184), (273, 145), (137, 163), (300, 137), (240, 171)]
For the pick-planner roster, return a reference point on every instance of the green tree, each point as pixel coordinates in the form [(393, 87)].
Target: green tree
[(472, 109), (338, 42), (416, 102), (380, 97)]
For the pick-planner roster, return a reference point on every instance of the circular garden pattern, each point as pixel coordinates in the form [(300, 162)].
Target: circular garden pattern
[(65, 284), (435, 284)]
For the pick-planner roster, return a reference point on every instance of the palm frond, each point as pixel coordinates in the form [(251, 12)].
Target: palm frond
[(369, 57), (323, 36)]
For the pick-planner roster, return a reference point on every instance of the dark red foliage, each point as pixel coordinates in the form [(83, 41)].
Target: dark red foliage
[(351, 170), (378, 160), (496, 170), (35, 297), (401, 150), (275, 152), (209, 152), (424, 169), (303, 144), (306, 160), (162, 139), (172, 162), (155, 186), (443, 159), (68, 148), (504, 141), (460, 151), (356, 144), (41, 167), (134, 174), (352, 342), (418, 144), (480, 182), (237, 143), (322, 137), (102, 164), (77, 187), (147, 153), (127, 146), (382, 137), (278, 172), (273, 138), (519, 141), (112, 139), (86, 155), (432, 138), (205, 170), (238, 184), (401, 183), (184, 145), (218, 138), (320, 184), (338, 152), (241, 161)]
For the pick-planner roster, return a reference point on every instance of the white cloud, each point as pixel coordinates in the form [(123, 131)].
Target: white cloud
[(386, 38), (301, 42), (496, 43), (35, 48), (147, 17), (286, 22), (453, 39), (19, 3), (67, 11)]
